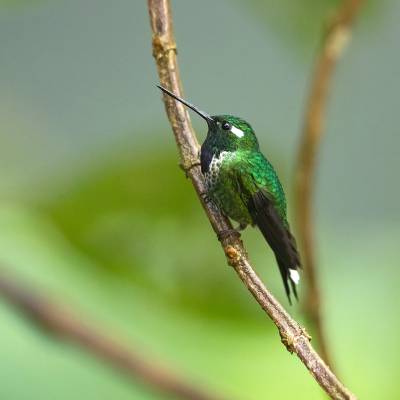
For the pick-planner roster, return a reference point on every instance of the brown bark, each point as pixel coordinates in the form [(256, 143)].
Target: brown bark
[(334, 42), (293, 336), (56, 321)]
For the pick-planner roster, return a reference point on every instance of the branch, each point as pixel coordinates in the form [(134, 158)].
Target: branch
[(57, 321), (335, 40), (293, 336)]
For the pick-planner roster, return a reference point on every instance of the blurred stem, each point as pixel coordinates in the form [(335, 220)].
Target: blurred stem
[(293, 336), (55, 320), (335, 40)]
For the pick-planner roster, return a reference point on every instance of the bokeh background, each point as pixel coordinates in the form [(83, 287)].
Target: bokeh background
[(95, 211)]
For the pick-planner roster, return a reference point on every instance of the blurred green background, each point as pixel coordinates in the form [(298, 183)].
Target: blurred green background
[(95, 211)]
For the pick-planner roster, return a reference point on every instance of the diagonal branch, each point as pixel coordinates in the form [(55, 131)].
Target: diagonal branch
[(293, 336), (57, 321), (334, 42)]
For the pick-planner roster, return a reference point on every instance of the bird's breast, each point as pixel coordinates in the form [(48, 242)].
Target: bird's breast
[(212, 174)]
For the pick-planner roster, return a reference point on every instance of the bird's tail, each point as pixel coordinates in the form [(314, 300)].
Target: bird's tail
[(289, 264), (276, 231), (290, 278)]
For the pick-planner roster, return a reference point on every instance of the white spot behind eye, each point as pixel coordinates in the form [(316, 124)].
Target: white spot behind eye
[(237, 132)]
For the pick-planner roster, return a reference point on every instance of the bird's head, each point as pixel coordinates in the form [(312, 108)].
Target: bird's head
[(227, 132), (232, 133)]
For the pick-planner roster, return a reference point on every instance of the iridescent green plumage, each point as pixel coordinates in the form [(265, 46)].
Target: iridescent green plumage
[(246, 188), (247, 165)]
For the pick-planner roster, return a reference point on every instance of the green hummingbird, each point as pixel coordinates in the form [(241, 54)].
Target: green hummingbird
[(243, 184)]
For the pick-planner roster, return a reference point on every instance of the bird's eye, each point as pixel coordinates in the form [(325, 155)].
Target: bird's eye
[(226, 126)]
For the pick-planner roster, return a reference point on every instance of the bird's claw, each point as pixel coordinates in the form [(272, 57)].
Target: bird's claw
[(226, 233), (206, 198), (241, 227)]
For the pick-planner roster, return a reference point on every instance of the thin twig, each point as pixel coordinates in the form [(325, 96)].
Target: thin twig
[(58, 322), (335, 40), (293, 336)]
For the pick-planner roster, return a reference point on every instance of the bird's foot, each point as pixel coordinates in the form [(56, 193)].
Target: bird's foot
[(206, 198), (228, 232), (241, 227)]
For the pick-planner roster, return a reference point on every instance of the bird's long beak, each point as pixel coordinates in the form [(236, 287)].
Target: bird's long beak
[(202, 114)]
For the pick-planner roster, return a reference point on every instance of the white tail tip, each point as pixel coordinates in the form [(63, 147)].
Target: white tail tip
[(294, 276)]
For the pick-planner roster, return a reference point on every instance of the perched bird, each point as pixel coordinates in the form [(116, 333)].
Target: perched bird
[(245, 187)]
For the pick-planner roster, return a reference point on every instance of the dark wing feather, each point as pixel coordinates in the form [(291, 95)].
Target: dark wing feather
[(277, 234)]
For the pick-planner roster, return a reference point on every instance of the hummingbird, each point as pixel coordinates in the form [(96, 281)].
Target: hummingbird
[(243, 184)]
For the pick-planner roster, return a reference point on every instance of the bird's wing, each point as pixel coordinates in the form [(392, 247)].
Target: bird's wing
[(262, 192)]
